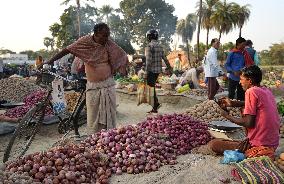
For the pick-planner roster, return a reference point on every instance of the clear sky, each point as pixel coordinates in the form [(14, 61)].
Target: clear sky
[(24, 24)]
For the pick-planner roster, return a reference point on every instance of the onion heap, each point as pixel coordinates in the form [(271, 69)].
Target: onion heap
[(182, 131), (132, 150), (145, 147), (67, 164), (30, 102)]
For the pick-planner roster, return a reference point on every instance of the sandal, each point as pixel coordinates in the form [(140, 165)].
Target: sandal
[(152, 111)]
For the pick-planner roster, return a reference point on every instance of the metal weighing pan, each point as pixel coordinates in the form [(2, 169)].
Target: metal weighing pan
[(224, 125)]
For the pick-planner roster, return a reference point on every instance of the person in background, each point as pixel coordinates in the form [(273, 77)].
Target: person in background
[(102, 59), (191, 77), (1, 69), (39, 62), (234, 63), (141, 72), (77, 68), (177, 65), (212, 68), (260, 118), (154, 55), (252, 52)]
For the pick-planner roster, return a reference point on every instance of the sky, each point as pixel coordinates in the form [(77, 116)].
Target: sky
[(24, 24)]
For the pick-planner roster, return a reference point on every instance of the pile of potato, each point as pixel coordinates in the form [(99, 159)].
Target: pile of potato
[(15, 89), (71, 100), (209, 110), (197, 92), (279, 161)]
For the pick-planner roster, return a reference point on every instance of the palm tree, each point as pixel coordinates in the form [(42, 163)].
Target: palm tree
[(243, 13), (224, 18), (48, 42), (206, 21), (185, 29), (106, 10), (65, 2), (198, 29)]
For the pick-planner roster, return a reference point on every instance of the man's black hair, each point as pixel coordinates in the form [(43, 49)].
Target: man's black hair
[(253, 73), (240, 40), (213, 41), (100, 26), (248, 43)]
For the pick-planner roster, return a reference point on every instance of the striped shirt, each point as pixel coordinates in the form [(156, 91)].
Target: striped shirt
[(154, 55)]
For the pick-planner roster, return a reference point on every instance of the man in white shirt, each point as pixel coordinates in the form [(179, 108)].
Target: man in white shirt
[(212, 68)]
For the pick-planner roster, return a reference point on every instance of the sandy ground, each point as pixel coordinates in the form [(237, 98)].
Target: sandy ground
[(191, 168)]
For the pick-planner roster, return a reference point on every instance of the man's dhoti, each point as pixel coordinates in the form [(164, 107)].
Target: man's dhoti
[(101, 105)]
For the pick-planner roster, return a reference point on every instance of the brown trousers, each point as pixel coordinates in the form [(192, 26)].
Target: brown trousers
[(213, 87), (220, 145)]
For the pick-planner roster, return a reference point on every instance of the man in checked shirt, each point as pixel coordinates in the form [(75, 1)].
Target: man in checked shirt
[(154, 55)]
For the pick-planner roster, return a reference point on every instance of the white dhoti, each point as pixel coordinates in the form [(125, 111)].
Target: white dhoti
[(101, 105)]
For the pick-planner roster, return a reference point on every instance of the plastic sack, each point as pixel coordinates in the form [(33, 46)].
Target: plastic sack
[(232, 156), (145, 94)]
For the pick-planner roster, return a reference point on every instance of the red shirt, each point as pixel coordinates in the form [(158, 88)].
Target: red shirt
[(259, 101)]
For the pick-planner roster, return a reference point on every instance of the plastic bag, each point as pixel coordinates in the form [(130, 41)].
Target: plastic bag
[(183, 88), (232, 156), (145, 94), (58, 99)]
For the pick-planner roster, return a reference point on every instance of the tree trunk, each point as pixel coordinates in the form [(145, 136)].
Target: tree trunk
[(188, 55), (78, 18), (207, 37), (198, 29), (220, 34), (240, 33)]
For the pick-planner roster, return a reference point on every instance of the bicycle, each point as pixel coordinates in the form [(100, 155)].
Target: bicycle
[(30, 124)]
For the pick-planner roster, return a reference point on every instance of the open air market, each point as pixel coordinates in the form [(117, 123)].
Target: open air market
[(135, 92)]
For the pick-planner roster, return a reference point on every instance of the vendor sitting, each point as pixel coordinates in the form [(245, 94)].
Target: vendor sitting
[(260, 118), (191, 77), (177, 69)]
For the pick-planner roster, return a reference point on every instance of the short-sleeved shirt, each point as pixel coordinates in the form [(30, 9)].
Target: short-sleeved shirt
[(259, 101), (154, 54)]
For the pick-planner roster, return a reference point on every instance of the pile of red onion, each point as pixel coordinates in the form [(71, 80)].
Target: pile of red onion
[(132, 149), (29, 101), (68, 164), (183, 131)]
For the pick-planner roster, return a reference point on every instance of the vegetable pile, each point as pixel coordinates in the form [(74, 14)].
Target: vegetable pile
[(30, 102), (11, 177), (197, 92), (209, 110), (146, 147), (71, 100), (15, 89)]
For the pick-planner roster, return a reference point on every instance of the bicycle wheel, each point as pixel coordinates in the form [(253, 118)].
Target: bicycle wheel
[(80, 117), (25, 133)]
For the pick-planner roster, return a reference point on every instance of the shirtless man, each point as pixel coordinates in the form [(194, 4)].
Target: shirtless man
[(102, 58)]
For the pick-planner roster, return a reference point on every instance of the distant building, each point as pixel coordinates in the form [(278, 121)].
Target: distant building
[(18, 59)]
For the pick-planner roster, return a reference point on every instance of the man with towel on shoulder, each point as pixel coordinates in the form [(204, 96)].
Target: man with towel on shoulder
[(102, 59)]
